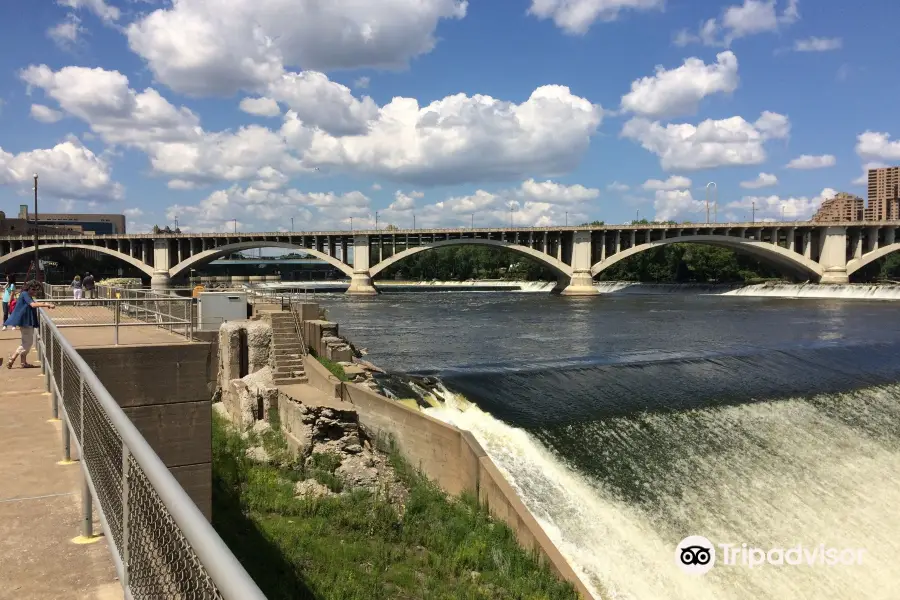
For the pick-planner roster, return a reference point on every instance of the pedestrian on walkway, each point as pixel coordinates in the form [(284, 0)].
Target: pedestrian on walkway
[(9, 286), (77, 290), (25, 316), (88, 284)]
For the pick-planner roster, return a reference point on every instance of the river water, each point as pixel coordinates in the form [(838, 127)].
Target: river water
[(630, 422)]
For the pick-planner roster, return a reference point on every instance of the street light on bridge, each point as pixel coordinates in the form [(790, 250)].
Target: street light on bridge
[(37, 263), (716, 205)]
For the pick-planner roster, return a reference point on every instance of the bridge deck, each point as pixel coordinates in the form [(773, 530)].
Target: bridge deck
[(40, 501)]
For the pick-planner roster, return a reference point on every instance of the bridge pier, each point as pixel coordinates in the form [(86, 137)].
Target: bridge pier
[(161, 281), (581, 284), (833, 256), (361, 285)]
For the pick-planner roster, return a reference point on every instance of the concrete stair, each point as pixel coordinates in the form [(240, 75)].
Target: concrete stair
[(288, 351)]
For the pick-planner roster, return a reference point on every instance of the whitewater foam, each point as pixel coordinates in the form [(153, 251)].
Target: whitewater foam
[(767, 473)]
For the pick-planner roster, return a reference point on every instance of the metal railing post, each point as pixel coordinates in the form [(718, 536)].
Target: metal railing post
[(54, 397), (67, 446), (48, 355), (116, 320), (126, 513), (81, 438), (87, 509)]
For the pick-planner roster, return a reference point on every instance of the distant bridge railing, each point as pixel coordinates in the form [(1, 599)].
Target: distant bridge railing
[(161, 544)]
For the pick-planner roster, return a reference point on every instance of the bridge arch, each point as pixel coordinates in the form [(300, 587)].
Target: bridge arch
[(776, 255), (558, 267), (144, 267), (207, 256), (856, 264)]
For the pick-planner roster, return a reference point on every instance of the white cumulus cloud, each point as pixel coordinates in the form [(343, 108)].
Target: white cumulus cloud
[(864, 178), (69, 171), (774, 208), (675, 182), (808, 161), (460, 138), (261, 107), (875, 145), (710, 144), (223, 46), (762, 180), (678, 92), (742, 20), (45, 114), (576, 16)]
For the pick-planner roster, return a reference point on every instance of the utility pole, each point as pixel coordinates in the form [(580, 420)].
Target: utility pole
[(37, 261)]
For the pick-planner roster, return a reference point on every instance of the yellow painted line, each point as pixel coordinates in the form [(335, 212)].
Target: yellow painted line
[(81, 540), (53, 420), (63, 463)]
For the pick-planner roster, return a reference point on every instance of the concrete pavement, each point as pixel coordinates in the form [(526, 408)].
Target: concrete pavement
[(40, 505)]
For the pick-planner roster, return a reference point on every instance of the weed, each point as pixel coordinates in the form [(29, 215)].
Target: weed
[(357, 546)]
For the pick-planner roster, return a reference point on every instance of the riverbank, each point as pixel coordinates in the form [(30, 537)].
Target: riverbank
[(356, 544), (853, 291)]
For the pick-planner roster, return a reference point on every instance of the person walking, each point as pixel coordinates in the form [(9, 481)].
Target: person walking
[(25, 316), (88, 285), (77, 290), (9, 286)]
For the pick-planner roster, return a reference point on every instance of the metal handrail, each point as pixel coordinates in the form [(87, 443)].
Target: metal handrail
[(299, 329), (214, 560)]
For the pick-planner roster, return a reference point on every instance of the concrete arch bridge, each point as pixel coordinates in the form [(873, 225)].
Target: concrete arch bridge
[(820, 252)]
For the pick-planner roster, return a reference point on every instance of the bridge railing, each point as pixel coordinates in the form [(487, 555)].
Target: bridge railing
[(161, 544)]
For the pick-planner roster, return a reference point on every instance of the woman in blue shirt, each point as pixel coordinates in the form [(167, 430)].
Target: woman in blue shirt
[(8, 289), (25, 317)]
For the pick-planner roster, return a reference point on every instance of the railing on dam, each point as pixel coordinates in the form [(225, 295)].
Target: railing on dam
[(116, 307), (161, 544)]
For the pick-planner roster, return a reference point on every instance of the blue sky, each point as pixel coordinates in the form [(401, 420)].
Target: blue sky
[(136, 105)]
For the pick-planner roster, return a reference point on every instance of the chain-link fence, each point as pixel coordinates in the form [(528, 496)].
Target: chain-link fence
[(161, 544)]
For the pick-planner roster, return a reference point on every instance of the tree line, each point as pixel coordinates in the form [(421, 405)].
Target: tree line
[(674, 263)]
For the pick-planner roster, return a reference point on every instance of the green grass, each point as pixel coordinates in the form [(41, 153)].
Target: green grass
[(357, 546), (334, 368)]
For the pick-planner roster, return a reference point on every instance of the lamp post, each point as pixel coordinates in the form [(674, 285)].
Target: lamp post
[(235, 225), (567, 218), (351, 223), (376, 220), (473, 220), (292, 224), (176, 223), (753, 204), (37, 263), (716, 201), (414, 220), (637, 215)]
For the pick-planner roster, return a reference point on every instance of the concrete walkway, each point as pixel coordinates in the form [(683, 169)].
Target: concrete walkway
[(40, 500)]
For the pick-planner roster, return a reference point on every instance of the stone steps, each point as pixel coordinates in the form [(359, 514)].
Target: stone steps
[(290, 380)]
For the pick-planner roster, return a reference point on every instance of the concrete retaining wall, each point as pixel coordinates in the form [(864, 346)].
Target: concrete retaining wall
[(456, 461), (321, 378), (162, 388)]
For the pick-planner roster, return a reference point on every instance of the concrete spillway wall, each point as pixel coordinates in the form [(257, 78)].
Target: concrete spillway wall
[(455, 460)]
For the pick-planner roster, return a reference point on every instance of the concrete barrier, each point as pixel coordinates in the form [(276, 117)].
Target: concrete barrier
[(163, 390), (321, 378), (455, 460)]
